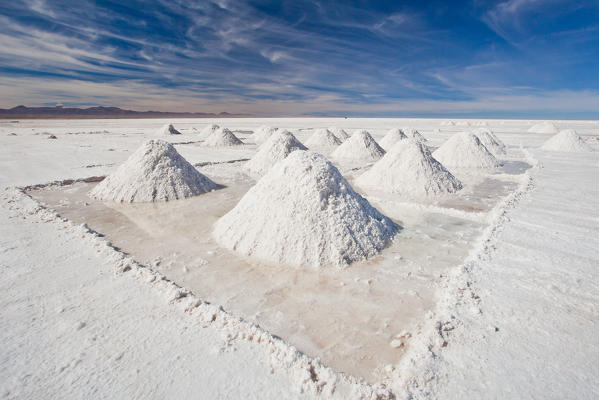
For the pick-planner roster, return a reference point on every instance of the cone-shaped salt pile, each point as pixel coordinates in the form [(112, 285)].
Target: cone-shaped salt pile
[(393, 136), (409, 170), (323, 141), (304, 213), (222, 137), (543, 127), (168, 129), (567, 140), (262, 134), (208, 130), (154, 172), (491, 142), (359, 147), (340, 133), (464, 150), (276, 148), (413, 133)]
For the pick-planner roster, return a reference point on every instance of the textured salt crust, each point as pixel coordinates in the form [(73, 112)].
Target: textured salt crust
[(465, 150), (408, 169), (340, 133), (304, 213), (168, 129), (393, 136), (208, 130), (263, 133), (323, 141), (543, 127), (567, 141), (222, 137), (359, 147), (276, 148), (154, 172), (491, 142)]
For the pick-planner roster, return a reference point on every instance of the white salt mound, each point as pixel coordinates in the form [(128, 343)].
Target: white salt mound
[(323, 141), (340, 133), (304, 213), (168, 129), (567, 141), (491, 142), (465, 150), (208, 130), (543, 127), (413, 133), (275, 149), (409, 169), (154, 172), (393, 136), (262, 134), (359, 147), (222, 137)]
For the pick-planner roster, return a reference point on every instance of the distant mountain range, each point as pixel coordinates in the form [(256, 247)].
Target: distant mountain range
[(58, 112)]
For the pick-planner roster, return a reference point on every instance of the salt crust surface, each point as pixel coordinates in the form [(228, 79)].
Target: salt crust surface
[(465, 150), (168, 129), (222, 137), (391, 137), (566, 141), (278, 146), (154, 172), (323, 141), (543, 127), (304, 213), (409, 169), (359, 147)]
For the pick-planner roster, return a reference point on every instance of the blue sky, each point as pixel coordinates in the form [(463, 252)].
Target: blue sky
[(507, 58)]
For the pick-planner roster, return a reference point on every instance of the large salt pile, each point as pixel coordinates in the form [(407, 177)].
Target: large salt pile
[(222, 137), (323, 141), (464, 150), (359, 147), (409, 169), (413, 133), (168, 129), (491, 142), (304, 213), (154, 172), (543, 127), (340, 133), (208, 130), (262, 134), (567, 141), (393, 136), (276, 148)]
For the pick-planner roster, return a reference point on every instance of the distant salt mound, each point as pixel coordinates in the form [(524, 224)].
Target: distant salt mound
[(168, 129), (409, 169), (359, 147), (154, 172), (208, 131), (566, 141), (413, 133), (393, 136), (304, 213), (323, 141), (465, 150), (222, 137), (447, 123), (491, 142), (543, 127), (262, 134), (276, 148), (340, 133)]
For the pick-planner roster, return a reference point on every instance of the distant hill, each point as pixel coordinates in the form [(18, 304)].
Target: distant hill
[(58, 112)]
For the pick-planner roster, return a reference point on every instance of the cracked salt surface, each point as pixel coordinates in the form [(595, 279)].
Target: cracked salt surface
[(350, 318)]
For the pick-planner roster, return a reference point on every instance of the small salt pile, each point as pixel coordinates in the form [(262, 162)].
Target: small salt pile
[(208, 130), (413, 133), (323, 141), (543, 127), (464, 150), (304, 213), (262, 134), (567, 141), (491, 142), (276, 148), (222, 137), (409, 169), (359, 147), (154, 172), (168, 129), (393, 136), (340, 133)]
